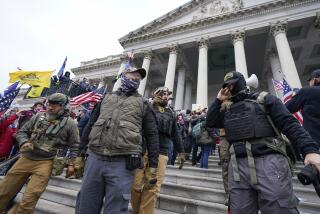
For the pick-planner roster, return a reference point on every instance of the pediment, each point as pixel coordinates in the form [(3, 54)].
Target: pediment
[(192, 11)]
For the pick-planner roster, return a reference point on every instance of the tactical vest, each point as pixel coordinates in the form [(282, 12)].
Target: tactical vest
[(245, 120), (165, 118), (118, 129), (254, 116), (44, 135)]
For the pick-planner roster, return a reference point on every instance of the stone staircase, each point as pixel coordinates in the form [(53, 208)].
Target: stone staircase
[(190, 190)]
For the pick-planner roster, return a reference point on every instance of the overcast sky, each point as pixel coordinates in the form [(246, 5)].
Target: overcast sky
[(38, 34)]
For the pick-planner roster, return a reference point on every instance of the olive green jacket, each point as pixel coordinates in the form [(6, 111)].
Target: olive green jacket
[(66, 137)]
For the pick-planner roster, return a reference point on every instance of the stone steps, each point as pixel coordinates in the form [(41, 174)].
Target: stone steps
[(190, 190)]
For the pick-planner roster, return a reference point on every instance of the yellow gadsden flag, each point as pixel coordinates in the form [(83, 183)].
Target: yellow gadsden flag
[(35, 92), (33, 78)]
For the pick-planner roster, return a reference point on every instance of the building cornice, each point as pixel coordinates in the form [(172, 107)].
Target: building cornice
[(94, 66), (243, 13)]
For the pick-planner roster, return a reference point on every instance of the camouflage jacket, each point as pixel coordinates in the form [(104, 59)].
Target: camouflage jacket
[(49, 138)]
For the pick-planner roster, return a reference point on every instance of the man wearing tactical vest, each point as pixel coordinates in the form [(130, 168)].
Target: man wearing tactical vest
[(40, 140), (117, 128), (259, 176), (144, 196)]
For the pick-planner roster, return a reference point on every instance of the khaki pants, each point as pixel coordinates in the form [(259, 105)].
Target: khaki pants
[(144, 201), (17, 176)]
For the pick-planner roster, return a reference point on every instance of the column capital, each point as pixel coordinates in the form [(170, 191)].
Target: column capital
[(317, 21), (278, 27), (173, 49), (203, 43), (237, 35), (147, 55)]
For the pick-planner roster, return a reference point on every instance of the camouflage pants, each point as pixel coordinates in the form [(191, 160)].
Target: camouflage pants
[(225, 157)]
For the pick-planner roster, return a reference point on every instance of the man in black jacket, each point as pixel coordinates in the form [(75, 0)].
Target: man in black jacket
[(115, 132), (308, 100), (259, 176), (144, 196)]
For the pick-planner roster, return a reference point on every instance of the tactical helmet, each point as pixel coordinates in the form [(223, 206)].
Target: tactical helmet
[(58, 98)]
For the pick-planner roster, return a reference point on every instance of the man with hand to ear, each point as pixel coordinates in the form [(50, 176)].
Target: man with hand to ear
[(40, 140), (259, 176)]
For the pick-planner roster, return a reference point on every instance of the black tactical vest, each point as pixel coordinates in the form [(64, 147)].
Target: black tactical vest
[(245, 120), (165, 120)]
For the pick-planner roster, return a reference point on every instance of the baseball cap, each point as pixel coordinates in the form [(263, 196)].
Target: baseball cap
[(314, 74), (130, 69), (231, 78)]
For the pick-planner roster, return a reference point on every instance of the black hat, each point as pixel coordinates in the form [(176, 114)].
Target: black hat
[(314, 74), (231, 78)]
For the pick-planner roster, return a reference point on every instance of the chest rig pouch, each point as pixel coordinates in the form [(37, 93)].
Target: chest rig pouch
[(44, 135), (245, 120), (164, 120)]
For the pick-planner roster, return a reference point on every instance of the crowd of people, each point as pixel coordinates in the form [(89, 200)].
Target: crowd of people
[(127, 141)]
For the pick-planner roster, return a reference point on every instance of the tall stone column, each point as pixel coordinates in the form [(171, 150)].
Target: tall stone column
[(202, 86), (317, 21), (146, 65), (276, 70), (171, 70), (124, 60), (178, 105), (288, 66), (187, 95), (239, 53)]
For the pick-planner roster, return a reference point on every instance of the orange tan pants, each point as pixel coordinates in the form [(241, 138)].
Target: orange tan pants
[(144, 201), (17, 176)]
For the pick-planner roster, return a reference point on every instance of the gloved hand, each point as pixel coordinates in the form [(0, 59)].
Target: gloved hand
[(70, 171), (181, 159), (151, 178), (26, 147)]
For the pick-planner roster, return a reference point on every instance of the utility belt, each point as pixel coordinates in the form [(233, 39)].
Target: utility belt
[(133, 161), (277, 145)]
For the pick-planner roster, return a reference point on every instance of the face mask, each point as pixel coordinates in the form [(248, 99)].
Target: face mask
[(129, 85)]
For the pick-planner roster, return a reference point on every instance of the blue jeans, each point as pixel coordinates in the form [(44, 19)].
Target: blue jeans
[(206, 150)]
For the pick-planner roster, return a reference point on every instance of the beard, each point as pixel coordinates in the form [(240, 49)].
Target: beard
[(160, 102), (54, 116)]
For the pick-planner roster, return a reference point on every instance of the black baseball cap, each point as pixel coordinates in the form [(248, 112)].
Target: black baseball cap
[(231, 78), (314, 74)]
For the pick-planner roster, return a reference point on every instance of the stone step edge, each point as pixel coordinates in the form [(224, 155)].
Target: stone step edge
[(188, 186), (212, 205)]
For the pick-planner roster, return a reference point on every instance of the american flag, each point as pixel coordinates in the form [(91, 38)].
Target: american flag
[(277, 85), (6, 101), (287, 95), (85, 98)]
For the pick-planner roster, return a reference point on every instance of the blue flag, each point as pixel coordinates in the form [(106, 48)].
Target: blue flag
[(6, 101), (60, 73), (9, 89)]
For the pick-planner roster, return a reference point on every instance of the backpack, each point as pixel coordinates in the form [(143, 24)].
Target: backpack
[(197, 130)]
